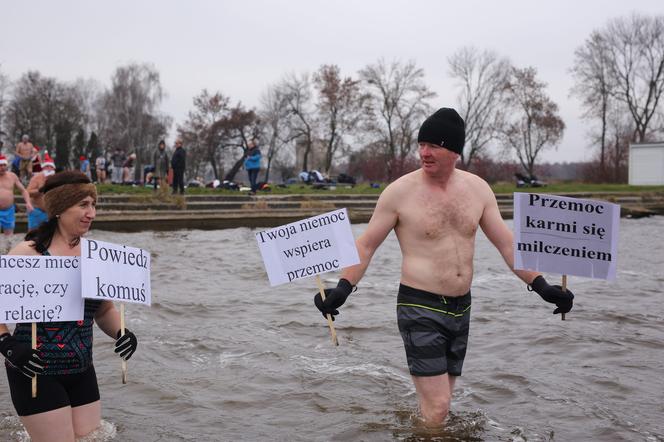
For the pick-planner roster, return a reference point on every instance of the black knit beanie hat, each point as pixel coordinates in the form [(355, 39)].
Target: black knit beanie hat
[(444, 128)]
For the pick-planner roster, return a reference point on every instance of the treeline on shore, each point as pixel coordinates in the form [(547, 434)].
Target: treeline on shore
[(365, 124)]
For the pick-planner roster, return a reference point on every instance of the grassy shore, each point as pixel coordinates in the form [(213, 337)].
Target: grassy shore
[(296, 189)]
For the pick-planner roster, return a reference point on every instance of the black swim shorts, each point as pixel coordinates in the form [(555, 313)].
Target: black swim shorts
[(434, 329), (53, 391)]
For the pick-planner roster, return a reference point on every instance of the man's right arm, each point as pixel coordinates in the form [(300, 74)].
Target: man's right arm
[(33, 187), (382, 221)]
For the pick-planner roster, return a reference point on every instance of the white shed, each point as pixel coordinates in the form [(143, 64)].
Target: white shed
[(646, 164)]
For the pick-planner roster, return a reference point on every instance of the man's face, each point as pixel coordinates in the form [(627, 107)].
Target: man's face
[(48, 170), (3, 169), (435, 159), (178, 143)]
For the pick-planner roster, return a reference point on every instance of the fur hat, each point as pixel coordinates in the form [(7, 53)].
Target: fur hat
[(66, 189)]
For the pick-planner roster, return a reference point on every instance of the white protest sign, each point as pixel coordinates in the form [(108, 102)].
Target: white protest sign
[(40, 289), (569, 236), (308, 247), (115, 272)]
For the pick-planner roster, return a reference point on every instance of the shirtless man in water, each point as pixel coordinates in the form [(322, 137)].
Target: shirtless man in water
[(435, 212), (7, 183), (38, 215)]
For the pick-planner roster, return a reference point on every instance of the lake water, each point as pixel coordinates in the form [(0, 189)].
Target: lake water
[(222, 356)]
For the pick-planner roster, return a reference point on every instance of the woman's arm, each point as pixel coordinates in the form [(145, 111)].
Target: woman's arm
[(108, 319)]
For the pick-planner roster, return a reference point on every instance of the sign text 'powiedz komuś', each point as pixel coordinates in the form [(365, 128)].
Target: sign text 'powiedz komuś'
[(115, 272)]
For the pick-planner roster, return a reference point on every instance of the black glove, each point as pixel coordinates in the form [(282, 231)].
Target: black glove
[(334, 298), (21, 356), (553, 294), (126, 345)]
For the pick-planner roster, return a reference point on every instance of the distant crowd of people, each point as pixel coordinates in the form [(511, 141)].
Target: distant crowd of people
[(118, 168)]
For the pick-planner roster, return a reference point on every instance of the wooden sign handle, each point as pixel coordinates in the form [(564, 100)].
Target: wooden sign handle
[(122, 332), (34, 347), (333, 332), (564, 286)]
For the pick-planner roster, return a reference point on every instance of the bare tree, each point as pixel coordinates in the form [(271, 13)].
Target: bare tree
[(340, 105), (482, 77), (619, 133), (130, 109), (198, 130), (4, 87), (534, 124), (274, 115), (49, 111), (34, 108), (398, 105), (237, 129), (301, 116), (594, 85), (635, 47)]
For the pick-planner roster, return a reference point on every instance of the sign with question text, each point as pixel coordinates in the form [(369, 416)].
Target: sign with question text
[(40, 289), (568, 236), (115, 272), (308, 247)]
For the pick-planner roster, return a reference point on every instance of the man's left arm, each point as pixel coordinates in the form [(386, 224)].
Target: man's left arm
[(502, 238)]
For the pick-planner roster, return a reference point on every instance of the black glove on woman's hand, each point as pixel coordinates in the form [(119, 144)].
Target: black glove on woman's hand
[(21, 356), (334, 298), (126, 345), (553, 294)]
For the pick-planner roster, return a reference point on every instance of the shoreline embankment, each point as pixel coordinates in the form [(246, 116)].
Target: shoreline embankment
[(133, 213)]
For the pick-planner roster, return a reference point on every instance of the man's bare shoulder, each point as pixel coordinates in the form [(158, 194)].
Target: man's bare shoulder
[(24, 248), (478, 183), (405, 183), (396, 192), (37, 180), (9, 177)]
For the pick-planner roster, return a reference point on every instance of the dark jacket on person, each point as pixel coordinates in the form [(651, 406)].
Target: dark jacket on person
[(178, 162), (118, 158), (160, 162)]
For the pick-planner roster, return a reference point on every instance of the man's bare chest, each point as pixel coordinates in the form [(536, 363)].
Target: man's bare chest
[(437, 217)]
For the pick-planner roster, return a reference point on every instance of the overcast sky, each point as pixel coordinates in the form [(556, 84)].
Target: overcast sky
[(240, 47)]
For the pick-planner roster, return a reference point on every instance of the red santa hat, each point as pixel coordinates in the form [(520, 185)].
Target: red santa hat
[(3, 159), (48, 161)]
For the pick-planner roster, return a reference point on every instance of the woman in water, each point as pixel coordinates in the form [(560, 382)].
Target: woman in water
[(67, 405)]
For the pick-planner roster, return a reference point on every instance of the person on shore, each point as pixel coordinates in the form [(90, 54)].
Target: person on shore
[(252, 164), (160, 163), (25, 152), (8, 182), (435, 212), (38, 214), (36, 160), (117, 161), (100, 168), (128, 169), (178, 163), (84, 166), (67, 405)]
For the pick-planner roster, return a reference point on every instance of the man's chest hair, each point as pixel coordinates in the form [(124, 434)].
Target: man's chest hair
[(434, 216)]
